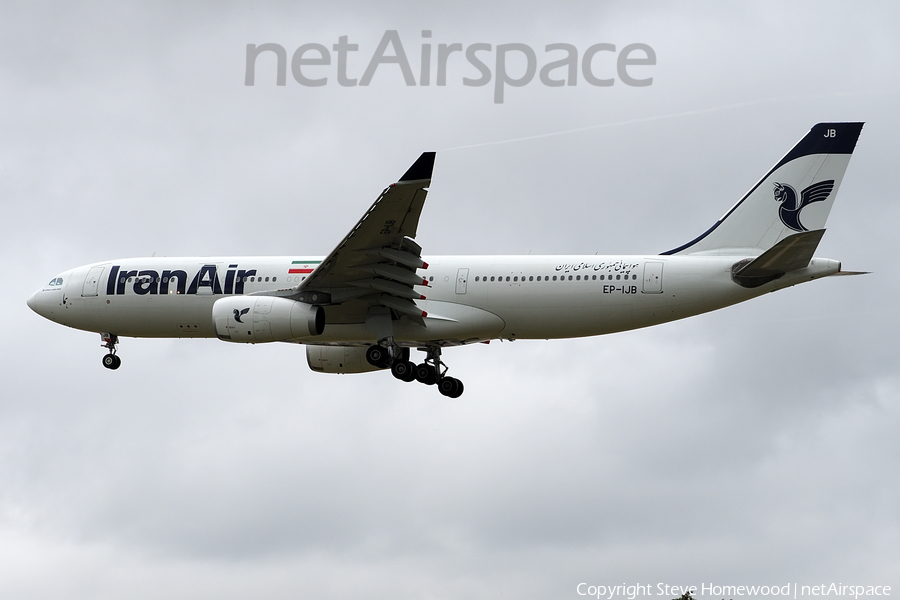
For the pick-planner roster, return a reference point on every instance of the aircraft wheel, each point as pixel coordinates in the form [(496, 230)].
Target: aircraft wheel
[(378, 356), (426, 374), (404, 370), (450, 387), (111, 361)]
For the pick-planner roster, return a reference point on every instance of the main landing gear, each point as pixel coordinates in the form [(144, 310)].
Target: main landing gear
[(111, 360), (430, 372)]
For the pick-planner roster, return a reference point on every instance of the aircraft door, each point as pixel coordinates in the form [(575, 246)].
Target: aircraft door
[(653, 271), (92, 282), (462, 280)]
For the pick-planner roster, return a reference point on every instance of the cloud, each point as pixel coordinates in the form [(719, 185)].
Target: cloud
[(751, 445)]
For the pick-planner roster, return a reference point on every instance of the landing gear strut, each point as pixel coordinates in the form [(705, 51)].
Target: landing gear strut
[(430, 372), (111, 360), (395, 357), (434, 371)]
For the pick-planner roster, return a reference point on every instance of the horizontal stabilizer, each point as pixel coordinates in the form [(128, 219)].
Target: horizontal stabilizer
[(792, 253)]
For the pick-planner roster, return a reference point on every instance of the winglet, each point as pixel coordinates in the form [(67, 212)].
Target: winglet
[(421, 169)]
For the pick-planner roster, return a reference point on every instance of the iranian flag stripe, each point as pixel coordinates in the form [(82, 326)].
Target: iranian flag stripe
[(306, 268)]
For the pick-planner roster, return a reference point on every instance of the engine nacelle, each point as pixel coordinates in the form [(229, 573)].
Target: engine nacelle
[(339, 359), (255, 319)]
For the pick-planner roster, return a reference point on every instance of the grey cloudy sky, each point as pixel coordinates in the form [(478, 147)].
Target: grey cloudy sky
[(756, 445)]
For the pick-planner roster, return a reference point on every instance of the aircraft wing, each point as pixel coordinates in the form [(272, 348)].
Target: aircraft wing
[(376, 262)]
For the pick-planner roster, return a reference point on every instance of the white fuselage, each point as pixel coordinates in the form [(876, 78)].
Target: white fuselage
[(469, 298)]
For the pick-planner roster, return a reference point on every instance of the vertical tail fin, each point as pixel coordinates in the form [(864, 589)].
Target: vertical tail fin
[(794, 196)]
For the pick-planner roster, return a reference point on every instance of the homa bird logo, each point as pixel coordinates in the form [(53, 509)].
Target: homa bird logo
[(240, 313), (790, 210)]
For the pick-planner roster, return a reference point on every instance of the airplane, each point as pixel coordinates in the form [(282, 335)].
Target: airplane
[(363, 307)]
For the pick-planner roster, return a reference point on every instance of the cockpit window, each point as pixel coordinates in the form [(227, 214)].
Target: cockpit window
[(57, 281)]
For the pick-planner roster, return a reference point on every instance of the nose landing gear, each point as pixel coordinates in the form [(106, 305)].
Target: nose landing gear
[(111, 360)]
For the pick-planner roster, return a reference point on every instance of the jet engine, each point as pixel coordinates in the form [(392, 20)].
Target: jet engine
[(256, 319), (339, 359)]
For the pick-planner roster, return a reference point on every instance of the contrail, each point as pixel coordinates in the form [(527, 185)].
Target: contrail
[(687, 113)]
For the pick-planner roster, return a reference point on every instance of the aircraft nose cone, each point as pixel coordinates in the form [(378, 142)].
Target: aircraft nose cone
[(39, 304)]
